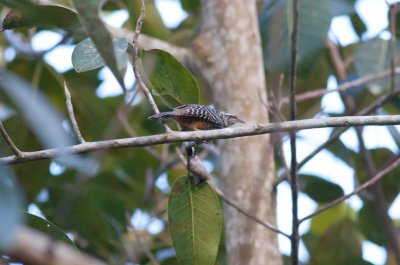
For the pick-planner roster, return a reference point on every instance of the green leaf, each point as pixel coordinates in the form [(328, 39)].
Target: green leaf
[(195, 222), (169, 77), (319, 189), (10, 207), (340, 244), (358, 24), (85, 56), (322, 222), (48, 228), (94, 26), (46, 16), (371, 225)]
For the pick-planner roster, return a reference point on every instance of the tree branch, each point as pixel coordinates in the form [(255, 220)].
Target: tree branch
[(393, 59), (71, 115), (10, 143), (249, 215), (135, 61), (343, 87), (359, 189), (294, 186), (198, 136), (35, 248), (369, 109)]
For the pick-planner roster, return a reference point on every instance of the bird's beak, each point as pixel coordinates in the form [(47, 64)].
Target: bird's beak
[(239, 120)]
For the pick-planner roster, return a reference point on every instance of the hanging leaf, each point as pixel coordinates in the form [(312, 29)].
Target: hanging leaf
[(86, 57), (169, 77), (96, 30), (195, 222), (48, 228)]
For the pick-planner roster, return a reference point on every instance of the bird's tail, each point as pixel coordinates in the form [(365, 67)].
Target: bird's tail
[(162, 116)]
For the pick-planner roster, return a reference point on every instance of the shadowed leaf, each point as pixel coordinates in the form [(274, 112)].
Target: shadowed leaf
[(48, 228), (319, 189), (195, 222), (41, 16)]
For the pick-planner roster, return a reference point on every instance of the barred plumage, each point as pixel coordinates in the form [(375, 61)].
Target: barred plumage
[(194, 117)]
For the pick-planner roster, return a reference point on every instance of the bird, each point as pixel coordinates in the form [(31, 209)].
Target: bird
[(194, 117)]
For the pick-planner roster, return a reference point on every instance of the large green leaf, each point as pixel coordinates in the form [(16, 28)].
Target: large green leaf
[(319, 189), (96, 30), (169, 77), (48, 228), (86, 57), (47, 16), (195, 222)]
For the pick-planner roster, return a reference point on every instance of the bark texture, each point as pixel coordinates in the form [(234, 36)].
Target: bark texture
[(229, 50)]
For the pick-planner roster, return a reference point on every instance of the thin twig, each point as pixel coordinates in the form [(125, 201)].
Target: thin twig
[(295, 237), (341, 88), (367, 110), (198, 136), (71, 114), (359, 189), (393, 60), (135, 61), (249, 215), (379, 202), (13, 147)]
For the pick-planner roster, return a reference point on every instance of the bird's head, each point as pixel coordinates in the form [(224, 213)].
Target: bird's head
[(230, 119)]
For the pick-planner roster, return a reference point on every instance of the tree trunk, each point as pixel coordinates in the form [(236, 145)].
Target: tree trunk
[(230, 55)]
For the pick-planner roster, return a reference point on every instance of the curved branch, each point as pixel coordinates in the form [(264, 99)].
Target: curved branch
[(360, 188), (199, 136)]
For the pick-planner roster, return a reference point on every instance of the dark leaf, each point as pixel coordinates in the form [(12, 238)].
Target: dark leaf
[(48, 228), (319, 189), (46, 16), (371, 225), (358, 24)]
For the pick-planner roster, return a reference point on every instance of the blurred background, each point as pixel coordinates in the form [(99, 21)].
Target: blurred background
[(42, 56)]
